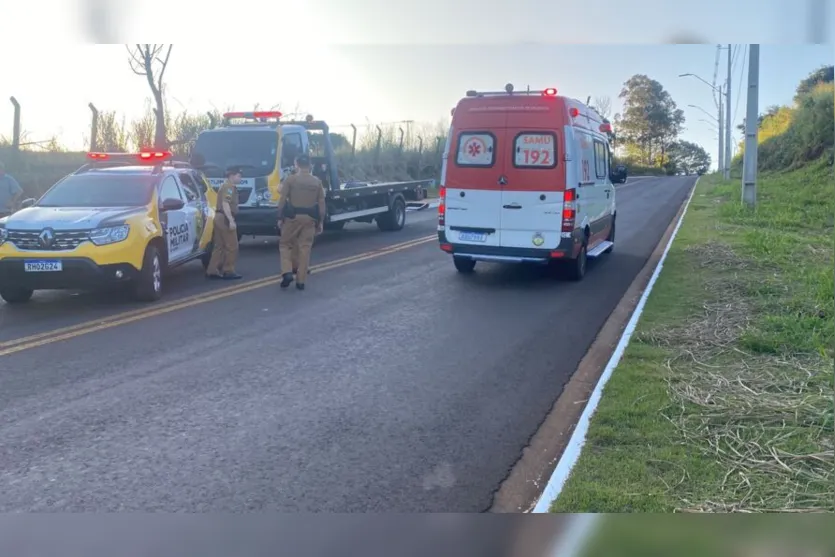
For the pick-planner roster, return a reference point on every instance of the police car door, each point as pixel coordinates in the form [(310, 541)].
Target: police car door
[(177, 230), (195, 209)]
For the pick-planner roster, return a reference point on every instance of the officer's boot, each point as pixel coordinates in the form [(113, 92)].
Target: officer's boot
[(299, 286), (286, 280)]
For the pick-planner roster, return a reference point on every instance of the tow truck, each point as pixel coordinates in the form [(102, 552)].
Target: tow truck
[(265, 147)]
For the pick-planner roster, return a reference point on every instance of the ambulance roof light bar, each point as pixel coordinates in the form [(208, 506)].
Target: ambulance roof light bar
[(508, 90)]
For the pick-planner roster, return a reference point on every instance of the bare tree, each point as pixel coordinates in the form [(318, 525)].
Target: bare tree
[(151, 61), (603, 105)]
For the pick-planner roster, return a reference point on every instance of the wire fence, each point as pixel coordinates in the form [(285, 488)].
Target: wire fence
[(401, 150)]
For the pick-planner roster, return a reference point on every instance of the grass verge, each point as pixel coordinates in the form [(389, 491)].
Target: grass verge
[(723, 401)]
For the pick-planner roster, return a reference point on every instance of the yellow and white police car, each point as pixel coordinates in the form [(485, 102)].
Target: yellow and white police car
[(121, 218)]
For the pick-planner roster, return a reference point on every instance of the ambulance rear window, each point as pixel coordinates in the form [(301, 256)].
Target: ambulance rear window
[(535, 149), (476, 149)]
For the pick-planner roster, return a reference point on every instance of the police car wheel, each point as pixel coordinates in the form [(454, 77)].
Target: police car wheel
[(148, 287), (206, 258), (15, 295)]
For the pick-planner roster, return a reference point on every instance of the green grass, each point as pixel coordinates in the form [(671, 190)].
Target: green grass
[(723, 400), (710, 536)]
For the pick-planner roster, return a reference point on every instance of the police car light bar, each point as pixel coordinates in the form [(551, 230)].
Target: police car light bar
[(549, 92), (260, 115), (155, 156)]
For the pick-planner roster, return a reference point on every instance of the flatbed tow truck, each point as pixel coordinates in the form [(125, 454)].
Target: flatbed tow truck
[(265, 147)]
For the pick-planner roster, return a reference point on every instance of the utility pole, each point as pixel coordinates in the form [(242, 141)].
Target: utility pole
[(720, 120), (749, 163), (728, 150)]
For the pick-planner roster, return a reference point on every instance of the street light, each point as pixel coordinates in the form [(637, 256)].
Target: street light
[(712, 117), (718, 91)]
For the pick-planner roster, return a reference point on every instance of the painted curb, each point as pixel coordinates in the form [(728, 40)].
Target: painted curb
[(572, 543), (575, 445)]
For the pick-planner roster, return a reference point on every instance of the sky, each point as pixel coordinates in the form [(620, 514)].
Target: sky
[(355, 83)]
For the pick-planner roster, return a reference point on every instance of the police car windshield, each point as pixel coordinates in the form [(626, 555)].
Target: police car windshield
[(254, 151), (100, 190)]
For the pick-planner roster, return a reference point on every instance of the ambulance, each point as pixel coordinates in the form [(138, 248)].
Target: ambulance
[(526, 179)]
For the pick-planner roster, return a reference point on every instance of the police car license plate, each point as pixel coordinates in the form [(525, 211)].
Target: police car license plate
[(42, 265), (472, 236)]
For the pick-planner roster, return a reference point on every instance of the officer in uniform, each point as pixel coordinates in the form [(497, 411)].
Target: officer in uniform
[(301, 207), (225, 236)]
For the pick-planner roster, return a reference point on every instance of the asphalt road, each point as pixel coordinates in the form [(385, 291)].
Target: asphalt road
[(391, 384)]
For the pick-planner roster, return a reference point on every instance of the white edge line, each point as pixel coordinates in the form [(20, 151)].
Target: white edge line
[(573, 541), (575, 445)]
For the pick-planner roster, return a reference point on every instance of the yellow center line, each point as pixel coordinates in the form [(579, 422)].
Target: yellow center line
[(56, 335)]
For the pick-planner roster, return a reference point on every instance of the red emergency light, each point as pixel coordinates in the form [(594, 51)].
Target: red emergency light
[(256, 115), (606, 127), (155, 155), (143, 156), (574, 112), (549, 92)]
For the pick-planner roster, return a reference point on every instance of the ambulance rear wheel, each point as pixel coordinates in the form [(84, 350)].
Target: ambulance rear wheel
[(576, 268), (148, 286), (16, 295), (464, 265)]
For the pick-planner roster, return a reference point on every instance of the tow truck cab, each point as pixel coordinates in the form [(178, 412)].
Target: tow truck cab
[(265, 148)]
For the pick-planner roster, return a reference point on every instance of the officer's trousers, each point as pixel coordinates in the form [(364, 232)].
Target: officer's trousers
[(297, 235), (225, 247)]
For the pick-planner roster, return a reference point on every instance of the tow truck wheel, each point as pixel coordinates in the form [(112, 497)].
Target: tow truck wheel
[(15, 295), (148, 287), (464, 265), (338, 225), (395, 218)]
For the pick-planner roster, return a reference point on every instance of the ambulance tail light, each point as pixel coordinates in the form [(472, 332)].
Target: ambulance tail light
[(442, 207), (606, 127), (569, 213)]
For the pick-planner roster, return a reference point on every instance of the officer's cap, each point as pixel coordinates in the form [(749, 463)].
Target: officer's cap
[(232, 170), (303, 161)]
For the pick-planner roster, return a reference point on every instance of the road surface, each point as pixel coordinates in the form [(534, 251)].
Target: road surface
[(391, 384)]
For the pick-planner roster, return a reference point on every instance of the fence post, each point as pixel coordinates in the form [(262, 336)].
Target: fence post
[(354, 142), (401, 140), (16, 125), (212, 120), (379, 144), (94, 128)]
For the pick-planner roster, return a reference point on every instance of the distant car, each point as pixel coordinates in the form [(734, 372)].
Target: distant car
[(619, 174)]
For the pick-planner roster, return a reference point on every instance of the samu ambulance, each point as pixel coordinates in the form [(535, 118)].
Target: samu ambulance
[(525, 179)]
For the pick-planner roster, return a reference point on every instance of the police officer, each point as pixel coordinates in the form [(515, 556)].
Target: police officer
[(225, 236), (301, 209)]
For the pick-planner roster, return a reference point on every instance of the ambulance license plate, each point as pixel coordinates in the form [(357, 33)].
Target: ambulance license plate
[(42, 265), (472, 236)]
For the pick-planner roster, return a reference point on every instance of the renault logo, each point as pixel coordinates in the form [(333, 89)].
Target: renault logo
[(46, 237)]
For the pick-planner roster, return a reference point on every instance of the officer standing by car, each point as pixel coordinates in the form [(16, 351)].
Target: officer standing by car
[(301, 209), (225, 236)]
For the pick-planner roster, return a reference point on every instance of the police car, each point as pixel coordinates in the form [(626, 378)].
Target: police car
[(120, 219)]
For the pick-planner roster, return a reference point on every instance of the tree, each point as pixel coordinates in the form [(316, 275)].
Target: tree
[(151, 61), (650, 121), (824, 74), (603, 105), (688, 157)]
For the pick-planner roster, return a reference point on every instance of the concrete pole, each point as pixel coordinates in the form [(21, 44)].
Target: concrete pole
[(720, 121), (728, 149), (749, 164)]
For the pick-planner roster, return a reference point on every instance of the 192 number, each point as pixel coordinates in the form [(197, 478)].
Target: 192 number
[(536, 157)]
